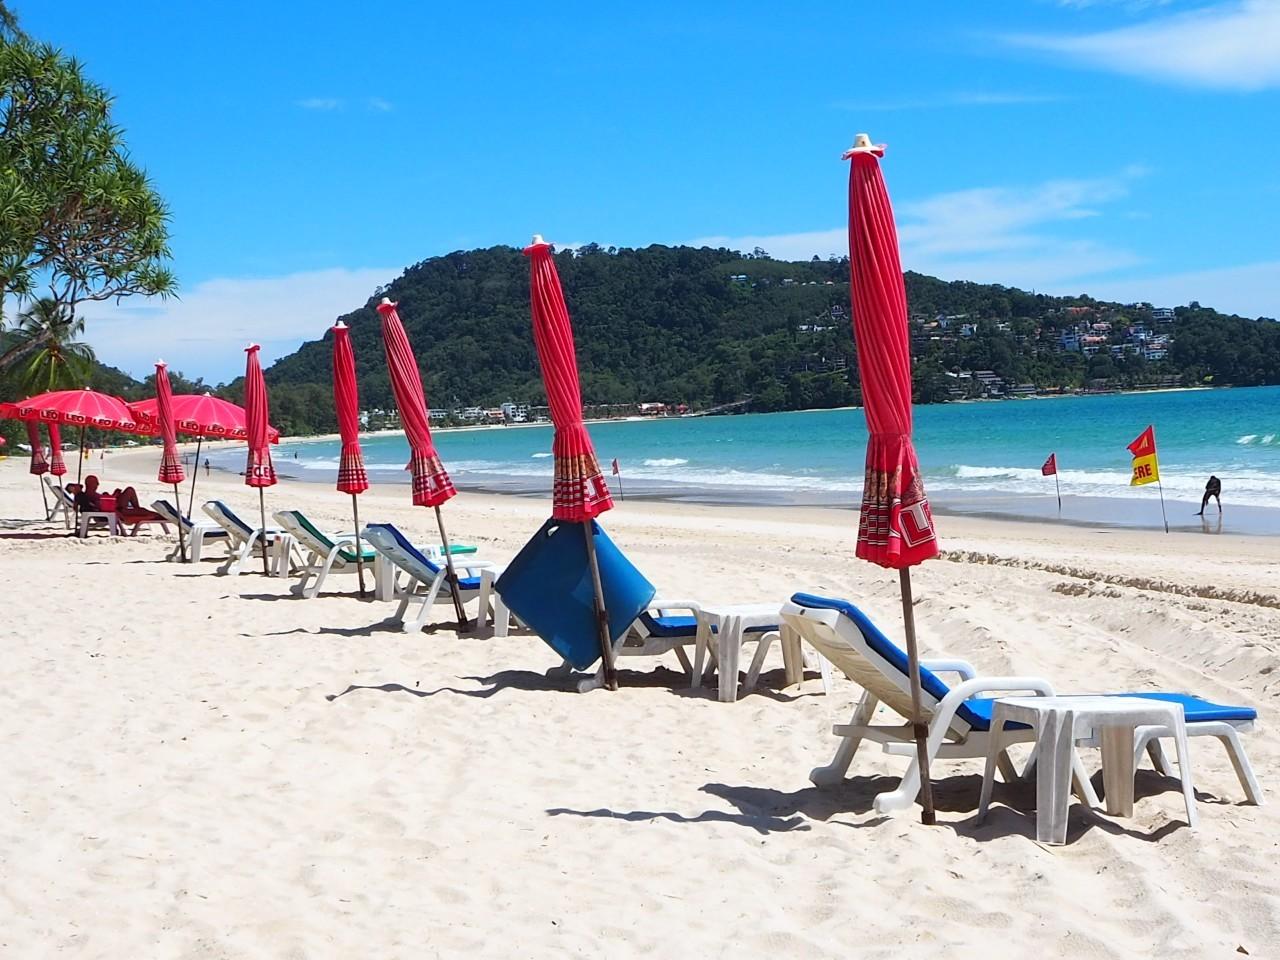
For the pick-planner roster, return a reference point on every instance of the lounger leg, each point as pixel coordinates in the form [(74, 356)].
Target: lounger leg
[(1117, 769), (324, 573), (1184, 772), (729, 640), (486, 589), (684, 660), (1240, 760), (994, 752), (702, 637), (406, 597), (1008, 772), (1053, 786), (428, 602), (1158, 759), (757, 662), (835, 771), (501, 616)]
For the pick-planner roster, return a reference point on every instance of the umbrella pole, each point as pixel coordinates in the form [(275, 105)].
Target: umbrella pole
[(918, 726), (355, 517), (602, 616), (79, 480), (262, 540), (195, 471), (182, 539), (463, 623)]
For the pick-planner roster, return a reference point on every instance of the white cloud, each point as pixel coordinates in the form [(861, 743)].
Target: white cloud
[(1010, 235), (205, 333), (970, 99), (378, 105), (1250, 290), (320, 103), (1229, 46)]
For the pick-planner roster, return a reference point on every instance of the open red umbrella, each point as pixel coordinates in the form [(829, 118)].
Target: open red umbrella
[(579, 491), (895, 529), (352, 476), (82, 408), (201, 415), (170, 465), (431, 483), (258, 471)]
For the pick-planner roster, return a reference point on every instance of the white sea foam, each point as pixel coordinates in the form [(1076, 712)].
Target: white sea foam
[(660, 462), (540, 456), (1247, 438)]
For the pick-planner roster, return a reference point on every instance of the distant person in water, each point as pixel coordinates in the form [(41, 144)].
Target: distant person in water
[(1211, 489)]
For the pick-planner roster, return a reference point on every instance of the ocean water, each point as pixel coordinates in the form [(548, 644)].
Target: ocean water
[(971, 454)]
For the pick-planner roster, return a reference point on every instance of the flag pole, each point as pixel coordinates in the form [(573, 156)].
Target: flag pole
[(1057, 486), (463, 623), (355, 517), (1160, 486), (182, 540), (602, 615), (919, 728)]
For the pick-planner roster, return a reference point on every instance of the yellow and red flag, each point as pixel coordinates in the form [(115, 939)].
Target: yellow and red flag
[(1146, 468)]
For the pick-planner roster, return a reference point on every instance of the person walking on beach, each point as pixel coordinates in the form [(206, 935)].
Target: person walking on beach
[(1211, 489), (206, 466)]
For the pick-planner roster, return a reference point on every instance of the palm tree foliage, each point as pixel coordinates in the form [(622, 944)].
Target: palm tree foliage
[(45, 353)]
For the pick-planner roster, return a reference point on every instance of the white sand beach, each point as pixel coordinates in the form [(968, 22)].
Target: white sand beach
[(199, 766)]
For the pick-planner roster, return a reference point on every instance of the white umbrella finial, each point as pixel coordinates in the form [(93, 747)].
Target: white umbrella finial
[(386, 300), (862, 144), (342, 326), (537, 239)]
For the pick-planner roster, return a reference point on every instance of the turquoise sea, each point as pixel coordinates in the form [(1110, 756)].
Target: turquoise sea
[(976, 457)]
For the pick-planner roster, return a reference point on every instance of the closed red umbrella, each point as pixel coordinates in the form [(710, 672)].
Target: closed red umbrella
[(258, 471), (170, 466), (39, 465), (57, 466), (431, 483), (895, 529), (201, 415), (352, 476), (579, 491)]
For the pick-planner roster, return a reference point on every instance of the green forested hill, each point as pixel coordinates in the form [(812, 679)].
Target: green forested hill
[(682, 325)]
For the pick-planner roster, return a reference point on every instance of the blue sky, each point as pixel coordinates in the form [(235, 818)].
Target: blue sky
[(309, 152)]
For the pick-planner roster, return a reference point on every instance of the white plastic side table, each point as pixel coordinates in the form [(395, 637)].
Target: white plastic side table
[(1061, 721)]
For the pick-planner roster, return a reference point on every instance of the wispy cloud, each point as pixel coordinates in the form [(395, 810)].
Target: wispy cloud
[(1250, 290), (372, 104), (1228, 46), (205, 332), (1022, 236), (944, 100), (1130, 5)]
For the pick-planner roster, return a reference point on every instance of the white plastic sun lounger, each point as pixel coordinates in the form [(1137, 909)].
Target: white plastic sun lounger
[(960, 717), (64, 504), (195, 532), (427, 579), (243, 539), (324, 553)]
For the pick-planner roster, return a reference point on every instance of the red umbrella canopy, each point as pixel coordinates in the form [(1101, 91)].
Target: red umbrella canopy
[(352, 477), (81, 408), (39, 464), (170, 466), (896, 527), (201, 415), (258, 472), (57, 466), (579, 492), (431, 484)]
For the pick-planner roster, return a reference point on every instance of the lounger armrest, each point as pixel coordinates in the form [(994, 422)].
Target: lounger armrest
[(942, 720), (665, 604), (964, 668), (476, 565)]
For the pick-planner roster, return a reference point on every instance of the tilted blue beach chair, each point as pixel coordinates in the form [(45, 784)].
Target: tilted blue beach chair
[(428, 578), (960, 717)]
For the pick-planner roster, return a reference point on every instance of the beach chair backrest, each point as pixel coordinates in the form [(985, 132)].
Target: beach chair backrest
[(59, 491), (296, 523), (227, 519), (867, 656), (389, 541), (170, 513)]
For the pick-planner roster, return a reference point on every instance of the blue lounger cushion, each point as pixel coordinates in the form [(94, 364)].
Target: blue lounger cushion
[(976, 711), (209, 534), (672, 626)]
